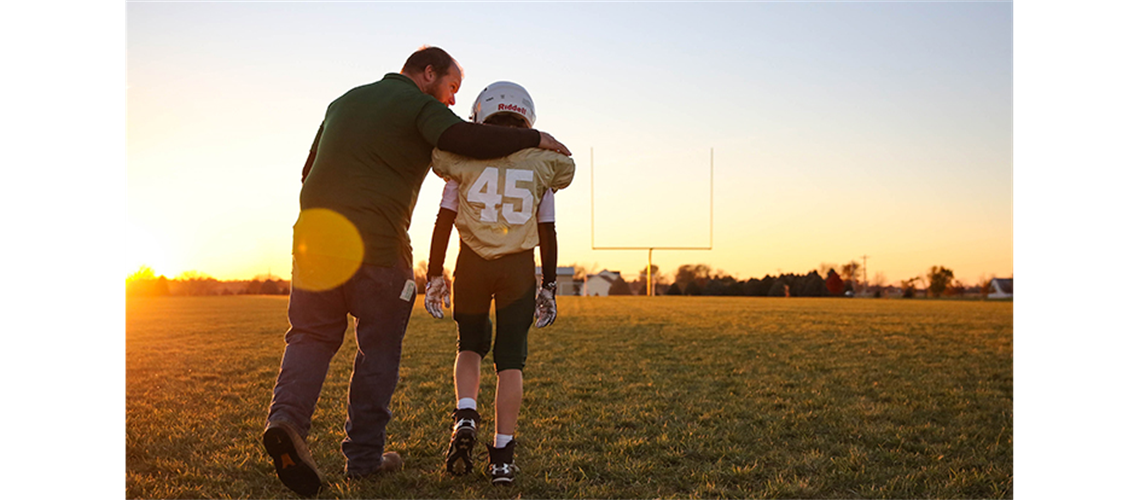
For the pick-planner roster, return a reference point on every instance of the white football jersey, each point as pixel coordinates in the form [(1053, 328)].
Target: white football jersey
[(495, 199)]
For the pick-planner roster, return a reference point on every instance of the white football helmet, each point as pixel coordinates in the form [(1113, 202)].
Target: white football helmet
[(503, 97)]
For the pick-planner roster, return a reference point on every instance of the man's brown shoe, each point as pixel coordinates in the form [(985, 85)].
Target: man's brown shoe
[(390, 462), (295, 466)]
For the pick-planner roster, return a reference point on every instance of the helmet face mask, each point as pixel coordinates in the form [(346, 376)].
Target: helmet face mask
[(503, 98)]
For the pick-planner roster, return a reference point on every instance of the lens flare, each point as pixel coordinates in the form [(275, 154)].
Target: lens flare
[(327, 250)]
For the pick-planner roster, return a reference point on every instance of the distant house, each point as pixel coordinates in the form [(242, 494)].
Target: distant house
[(564, 277), (1001, 288), (599, 284)]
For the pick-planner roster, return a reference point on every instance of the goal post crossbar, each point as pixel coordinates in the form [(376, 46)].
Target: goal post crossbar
[(649, 266)]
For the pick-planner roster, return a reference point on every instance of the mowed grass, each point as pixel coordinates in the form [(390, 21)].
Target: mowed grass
[(626, 397)]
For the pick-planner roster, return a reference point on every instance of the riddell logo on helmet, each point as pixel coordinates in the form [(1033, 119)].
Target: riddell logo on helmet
[(512, 107)]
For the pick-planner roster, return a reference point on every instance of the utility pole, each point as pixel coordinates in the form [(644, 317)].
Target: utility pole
[(865, 282)]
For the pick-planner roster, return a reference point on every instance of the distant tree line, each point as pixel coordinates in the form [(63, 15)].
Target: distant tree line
[(829, 280), (143, 283), (700, 279), (690, 279), (697, 280)]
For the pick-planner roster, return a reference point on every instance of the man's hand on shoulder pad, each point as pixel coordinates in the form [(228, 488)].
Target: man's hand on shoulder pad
[(547, 141)]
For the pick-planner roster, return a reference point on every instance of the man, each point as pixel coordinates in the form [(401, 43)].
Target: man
[(351, 253)]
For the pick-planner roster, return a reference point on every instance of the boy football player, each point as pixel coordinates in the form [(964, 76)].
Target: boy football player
[(502, 209)]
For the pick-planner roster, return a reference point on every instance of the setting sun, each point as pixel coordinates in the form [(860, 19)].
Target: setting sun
[(142, 249)]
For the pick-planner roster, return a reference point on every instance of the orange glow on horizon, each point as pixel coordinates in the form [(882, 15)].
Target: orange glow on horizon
[(143, 250)]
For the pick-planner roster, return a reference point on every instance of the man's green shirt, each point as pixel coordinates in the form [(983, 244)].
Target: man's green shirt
[(371, 160)]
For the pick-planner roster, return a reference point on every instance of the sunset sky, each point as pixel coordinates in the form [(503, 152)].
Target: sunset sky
[(839, 129)]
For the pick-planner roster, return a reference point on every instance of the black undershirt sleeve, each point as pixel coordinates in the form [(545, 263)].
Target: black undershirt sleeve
[(548, 248), (439, 239), (312, 154), (468, 139), (486, 141)]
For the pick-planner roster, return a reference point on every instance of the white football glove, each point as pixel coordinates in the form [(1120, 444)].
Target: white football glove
[(437, 295), (545, 308)]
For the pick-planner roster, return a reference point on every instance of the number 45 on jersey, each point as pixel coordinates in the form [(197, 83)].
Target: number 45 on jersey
[(485, 191)]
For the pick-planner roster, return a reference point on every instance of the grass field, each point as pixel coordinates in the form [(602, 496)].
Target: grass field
[(626, 397)]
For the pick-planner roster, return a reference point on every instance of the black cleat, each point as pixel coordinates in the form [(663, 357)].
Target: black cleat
[(463, 439), (503, 466)]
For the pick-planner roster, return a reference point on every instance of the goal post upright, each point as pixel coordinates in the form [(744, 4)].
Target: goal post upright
[(649, 265)]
